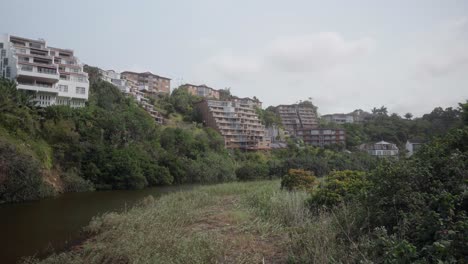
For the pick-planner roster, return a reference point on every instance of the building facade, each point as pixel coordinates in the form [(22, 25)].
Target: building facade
[(412, 146), (380, 149), (237, 122), (133, 89), (297, 116), (201, 90), (153, 82), (357, 116), (55, 75), (321, 137), (339, 118), (114, 77)]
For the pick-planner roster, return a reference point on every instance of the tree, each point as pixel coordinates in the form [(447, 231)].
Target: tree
[(380, 111), (408, 116)]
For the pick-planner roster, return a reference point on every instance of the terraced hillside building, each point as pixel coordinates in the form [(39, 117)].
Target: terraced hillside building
[(151, 82), (201, 90), (237, 121), (55, 75), (297, 116), (321, 137)]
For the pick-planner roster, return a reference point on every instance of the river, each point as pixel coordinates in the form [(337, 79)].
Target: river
[(39, 227)]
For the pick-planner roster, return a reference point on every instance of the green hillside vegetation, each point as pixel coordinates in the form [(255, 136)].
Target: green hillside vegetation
[(112, 143), (397, 129), (403, 211)]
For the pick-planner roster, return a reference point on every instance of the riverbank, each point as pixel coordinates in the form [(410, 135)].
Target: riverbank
[(251, 222)]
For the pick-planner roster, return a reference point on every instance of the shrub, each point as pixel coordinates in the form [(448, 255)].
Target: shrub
[(251, 171), (72, 182), (299, 180), (20, 175), (340, 186)]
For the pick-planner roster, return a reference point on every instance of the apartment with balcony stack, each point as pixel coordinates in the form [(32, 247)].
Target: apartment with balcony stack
[(201, 90), (149, 82), (321, 137), (237, 121), (297, 116), (55, 75)]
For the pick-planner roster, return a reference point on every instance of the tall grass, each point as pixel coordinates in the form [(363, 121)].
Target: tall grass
[(161, 231)]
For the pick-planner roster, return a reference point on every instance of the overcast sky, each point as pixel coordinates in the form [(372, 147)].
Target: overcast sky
[(410, 56)]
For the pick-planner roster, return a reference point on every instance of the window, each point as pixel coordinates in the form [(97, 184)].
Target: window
[(80, 90), (5, 61), (63, 88), (1, 45), (26, 68), (81, 79), (76, 70), (26, 59), (8, 72)]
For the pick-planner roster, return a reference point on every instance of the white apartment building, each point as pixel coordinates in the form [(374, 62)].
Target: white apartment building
[(54, 75)]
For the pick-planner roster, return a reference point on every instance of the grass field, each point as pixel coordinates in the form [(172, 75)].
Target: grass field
[(252, 222)]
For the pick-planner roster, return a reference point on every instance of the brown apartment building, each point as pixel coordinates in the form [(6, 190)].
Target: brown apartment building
[(149, 82), (236, 120), (321, 137), (297, 116), (201, 90)]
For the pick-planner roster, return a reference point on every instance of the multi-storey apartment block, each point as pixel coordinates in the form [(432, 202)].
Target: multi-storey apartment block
[(296, 116), (321, 137), (237, 122), (153, 83), (54, 75), (201, 90)]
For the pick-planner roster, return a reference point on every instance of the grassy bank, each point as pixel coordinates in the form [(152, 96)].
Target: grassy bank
[(225, 223)]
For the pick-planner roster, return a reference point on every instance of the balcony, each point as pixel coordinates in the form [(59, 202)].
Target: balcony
[(38, 72), (37, 87)]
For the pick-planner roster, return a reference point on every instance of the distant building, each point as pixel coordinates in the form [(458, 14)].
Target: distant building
[(339, 118), (154, 83), (254, 102), (115, 78), (297, 116), (380, 149), (55, 75), (321, 137), (236, 121), (133, 89), (201, 90), (412, 146)]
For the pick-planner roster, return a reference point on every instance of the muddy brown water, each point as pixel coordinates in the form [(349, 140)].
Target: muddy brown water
[(41, 227)]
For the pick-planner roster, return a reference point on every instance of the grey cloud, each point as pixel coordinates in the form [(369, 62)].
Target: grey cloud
[(293, 54), (311, 53)]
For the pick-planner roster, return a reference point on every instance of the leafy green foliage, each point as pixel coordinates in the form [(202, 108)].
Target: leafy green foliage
[(269, 117), (298, 180), (20, 177), (340, 186)]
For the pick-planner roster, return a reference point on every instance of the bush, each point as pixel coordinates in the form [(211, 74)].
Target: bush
[(72, 182), (340, 186), (298, 180), (20, 175), (252, 171)]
